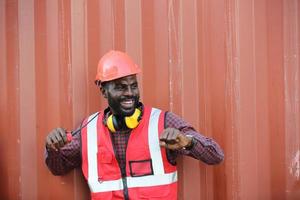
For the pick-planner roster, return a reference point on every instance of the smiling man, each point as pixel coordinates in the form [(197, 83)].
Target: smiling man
[(129, 150)]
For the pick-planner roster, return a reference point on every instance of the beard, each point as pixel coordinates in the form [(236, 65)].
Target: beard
[(118, 109)]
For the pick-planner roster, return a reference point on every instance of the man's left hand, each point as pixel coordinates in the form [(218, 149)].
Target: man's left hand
[(173, 139)]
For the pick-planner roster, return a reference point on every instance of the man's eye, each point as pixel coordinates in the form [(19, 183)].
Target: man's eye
[(134, 86), (119, 87)]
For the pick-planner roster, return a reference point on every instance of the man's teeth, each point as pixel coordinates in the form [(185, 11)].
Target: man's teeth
[(128, 102)]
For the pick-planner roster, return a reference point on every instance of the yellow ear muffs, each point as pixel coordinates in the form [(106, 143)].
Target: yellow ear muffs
[(110, 124), (133, 120)]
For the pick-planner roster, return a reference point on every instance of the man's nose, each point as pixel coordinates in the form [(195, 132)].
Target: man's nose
[(128, 91)]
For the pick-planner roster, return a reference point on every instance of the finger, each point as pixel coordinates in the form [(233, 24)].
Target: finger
[(54, 147), (171, 141), (60, 141), (173, 135), (63, 135), (173, 146), (164, 135), (54, 141), (162, 144), (167, 146), (51, 142)]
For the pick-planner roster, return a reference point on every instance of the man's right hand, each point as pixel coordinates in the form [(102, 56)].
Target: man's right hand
[(56, 139)]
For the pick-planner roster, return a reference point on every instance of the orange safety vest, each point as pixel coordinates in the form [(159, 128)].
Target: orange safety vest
[(148, 172)]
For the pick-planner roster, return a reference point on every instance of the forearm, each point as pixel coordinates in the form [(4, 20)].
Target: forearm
[(67, 158), (204, 149)]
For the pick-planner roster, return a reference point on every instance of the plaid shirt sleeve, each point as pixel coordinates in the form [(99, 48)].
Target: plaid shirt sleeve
[(204, 148), (67, 158)]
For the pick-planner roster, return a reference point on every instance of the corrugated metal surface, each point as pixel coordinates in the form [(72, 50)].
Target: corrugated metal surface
[(229, 67)]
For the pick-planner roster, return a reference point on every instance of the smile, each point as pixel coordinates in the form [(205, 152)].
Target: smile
[(128, 103)]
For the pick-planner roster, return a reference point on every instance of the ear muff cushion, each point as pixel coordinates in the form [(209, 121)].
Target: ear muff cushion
[(110, 124), (133, 120)]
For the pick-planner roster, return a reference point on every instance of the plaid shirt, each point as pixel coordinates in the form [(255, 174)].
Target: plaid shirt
[(204, 149)]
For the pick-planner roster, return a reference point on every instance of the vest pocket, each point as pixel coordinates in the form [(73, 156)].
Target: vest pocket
[(140, 168), (104, 157), (107, 166)]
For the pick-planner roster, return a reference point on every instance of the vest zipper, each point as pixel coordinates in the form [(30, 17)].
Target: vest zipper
[(122, 169), (125, 188), (124, 177), (123, 172)]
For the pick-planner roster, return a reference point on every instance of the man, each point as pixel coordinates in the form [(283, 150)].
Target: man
[(129, 150)]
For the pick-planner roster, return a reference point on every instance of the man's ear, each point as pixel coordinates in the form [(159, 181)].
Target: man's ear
[(103, 91)]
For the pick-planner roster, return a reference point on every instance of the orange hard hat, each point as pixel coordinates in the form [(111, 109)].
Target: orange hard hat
[(114, 65)]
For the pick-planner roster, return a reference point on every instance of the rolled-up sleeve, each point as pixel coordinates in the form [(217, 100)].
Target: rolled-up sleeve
[(204, 148)]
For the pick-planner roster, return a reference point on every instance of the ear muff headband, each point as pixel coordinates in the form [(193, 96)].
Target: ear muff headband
[(131, 121)]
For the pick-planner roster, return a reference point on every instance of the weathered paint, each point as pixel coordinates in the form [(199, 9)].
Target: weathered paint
[(229, 67)]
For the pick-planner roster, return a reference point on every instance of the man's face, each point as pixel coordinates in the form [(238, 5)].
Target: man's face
[(122, 95)]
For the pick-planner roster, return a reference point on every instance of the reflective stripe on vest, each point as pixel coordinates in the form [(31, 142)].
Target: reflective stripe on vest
[(158, 177)]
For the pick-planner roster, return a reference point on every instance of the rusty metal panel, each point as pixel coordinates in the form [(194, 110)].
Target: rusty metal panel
[(229, 67)]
